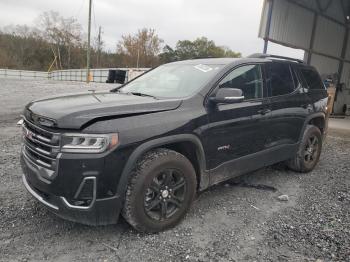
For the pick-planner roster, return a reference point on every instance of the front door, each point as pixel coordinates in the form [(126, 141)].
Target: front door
[(236, 132)]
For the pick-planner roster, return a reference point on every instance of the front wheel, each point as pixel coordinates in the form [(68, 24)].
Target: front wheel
[(160, 191), (309, 151)]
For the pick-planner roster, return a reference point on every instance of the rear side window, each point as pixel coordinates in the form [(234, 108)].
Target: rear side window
[(312, 79), (280, 78)]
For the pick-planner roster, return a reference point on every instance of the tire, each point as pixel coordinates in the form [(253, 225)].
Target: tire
[(309, 151), (160, 191)]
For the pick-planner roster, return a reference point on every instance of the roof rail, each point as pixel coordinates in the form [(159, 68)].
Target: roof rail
[(258, 55)]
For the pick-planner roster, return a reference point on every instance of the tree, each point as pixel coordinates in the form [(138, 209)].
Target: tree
[(229, 53), (185, 49), (140, 49), (22, 48), (199, 48), (62, 33), (34, 48), (98, 45), (168, 55)]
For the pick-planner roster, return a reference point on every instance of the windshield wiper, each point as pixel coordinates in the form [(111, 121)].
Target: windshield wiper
[(116, 89), (142, 94)]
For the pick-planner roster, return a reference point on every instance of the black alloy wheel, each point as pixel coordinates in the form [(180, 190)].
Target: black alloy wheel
[(311, 150), (165, 195), (160, 191)]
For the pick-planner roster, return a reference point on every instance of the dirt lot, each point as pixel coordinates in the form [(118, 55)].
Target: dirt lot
[(241, 221)]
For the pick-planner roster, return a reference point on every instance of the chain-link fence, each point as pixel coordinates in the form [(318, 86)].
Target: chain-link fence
[(23, 74), (96, 75)]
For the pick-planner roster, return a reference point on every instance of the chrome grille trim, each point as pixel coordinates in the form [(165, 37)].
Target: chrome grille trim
[(36, 160), (39, 128), (40, 146), (39, 154)]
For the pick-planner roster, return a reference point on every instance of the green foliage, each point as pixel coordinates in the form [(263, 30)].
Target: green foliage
[(60, 39), (199, 48)]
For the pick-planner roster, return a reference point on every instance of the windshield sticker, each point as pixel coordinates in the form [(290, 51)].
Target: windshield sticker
[(203, 68)]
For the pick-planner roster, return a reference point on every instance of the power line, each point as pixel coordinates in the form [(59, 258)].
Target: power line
[(79, 10)]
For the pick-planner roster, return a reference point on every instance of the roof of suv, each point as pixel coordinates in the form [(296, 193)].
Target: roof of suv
[(251, 58), (209, 61)]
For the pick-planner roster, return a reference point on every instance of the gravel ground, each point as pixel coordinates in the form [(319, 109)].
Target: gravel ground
[(238, 221)]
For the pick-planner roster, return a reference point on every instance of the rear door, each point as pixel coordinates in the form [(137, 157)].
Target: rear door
[(289, 104)]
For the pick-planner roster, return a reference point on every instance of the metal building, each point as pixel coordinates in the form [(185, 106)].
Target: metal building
[(320, 28)]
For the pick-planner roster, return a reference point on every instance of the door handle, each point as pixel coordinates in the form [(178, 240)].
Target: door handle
[(264, 111)]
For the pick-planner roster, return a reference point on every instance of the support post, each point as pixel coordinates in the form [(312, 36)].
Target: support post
[(268, 25), (88, 46), (343, 53), (312, 39)]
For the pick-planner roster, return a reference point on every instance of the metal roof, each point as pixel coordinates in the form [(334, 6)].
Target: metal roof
[(319, 27)]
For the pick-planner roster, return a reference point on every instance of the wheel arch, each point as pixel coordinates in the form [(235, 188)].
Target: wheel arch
[(317, 119), (195, 154), (320, 122)]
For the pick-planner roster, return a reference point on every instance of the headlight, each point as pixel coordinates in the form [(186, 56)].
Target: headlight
[(88, 143)]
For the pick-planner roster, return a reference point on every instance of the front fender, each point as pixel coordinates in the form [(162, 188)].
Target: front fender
[(149, 145)]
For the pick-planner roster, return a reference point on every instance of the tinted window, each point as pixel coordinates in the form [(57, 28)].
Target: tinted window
[(281, 81), (247, 78), (312, 79)]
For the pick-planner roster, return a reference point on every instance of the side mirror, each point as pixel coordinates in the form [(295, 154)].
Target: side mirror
[(228, 96)]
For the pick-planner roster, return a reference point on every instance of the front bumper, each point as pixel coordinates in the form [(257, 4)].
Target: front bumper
[(100, 211)]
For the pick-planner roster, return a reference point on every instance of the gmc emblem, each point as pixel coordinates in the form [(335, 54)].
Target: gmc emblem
[(28, 134)]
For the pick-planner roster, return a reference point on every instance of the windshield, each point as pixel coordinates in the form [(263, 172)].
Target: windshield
[(172, 80)]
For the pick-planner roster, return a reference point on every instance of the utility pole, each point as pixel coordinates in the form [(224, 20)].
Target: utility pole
[(88, 46)]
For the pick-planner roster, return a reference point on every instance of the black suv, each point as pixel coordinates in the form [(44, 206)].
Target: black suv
[(145, 148)]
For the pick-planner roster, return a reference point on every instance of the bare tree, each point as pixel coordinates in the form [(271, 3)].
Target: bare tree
[(62, 33), (140, 49), (98, 45)]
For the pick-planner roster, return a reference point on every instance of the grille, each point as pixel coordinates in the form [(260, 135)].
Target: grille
[(40, 146)]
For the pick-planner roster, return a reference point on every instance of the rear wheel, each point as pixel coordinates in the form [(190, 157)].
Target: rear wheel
[(309, 151), (160, 191)]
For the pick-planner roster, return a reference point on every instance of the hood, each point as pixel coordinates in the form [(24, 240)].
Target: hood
[(74, 110)]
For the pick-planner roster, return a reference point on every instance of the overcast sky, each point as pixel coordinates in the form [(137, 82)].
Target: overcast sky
[(231, 23)]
